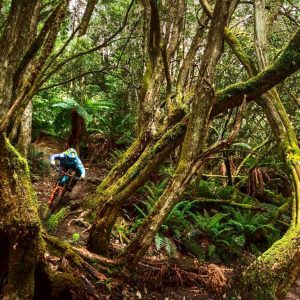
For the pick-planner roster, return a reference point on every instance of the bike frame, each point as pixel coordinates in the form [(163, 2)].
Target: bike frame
[(61, 187)]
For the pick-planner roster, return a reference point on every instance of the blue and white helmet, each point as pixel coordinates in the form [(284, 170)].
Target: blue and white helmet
[(71, 153)]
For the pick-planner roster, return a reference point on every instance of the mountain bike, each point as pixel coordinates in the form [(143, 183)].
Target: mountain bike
[(64, 184)]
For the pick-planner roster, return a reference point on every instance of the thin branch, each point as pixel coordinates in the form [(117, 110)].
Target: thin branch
[(131, 84), (291, 95), (61, 50), (74, 78), (102, 45), (129, 37), (36, 44), (250, 154), (228, 202), (287, 15)]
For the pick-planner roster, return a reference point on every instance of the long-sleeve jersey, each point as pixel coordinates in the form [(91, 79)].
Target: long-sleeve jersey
[(69, 163)]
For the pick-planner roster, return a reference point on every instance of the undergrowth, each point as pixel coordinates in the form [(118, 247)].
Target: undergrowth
[(54, 221), (220, 234)]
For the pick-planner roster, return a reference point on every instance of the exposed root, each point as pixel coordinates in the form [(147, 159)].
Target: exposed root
[(183, 273), (87, 229), (92, 257), (73, 213), (80, 219), (69, 256)]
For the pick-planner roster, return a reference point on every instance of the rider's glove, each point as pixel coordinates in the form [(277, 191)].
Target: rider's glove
[(82, 177), (52, 163)]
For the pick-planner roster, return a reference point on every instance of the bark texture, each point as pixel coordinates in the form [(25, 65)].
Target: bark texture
[(279, 270), (193, 143), (19, 225)]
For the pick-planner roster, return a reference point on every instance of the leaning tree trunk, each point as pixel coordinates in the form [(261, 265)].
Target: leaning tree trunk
[(117, 194), (19, 225), (193, 144), (150, 147), (272, 274)]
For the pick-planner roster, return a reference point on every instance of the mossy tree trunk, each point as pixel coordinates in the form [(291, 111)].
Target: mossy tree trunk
[(193, 144), (21, 68), (270, 276), (19, 225), (277, 268), (158, 57), (25, 131), (139, 159), (114, 197)]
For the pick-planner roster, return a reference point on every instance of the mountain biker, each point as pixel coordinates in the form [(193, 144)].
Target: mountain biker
[(69, 160)]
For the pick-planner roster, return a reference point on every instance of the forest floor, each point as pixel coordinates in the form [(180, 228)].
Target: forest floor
[(157, 276)]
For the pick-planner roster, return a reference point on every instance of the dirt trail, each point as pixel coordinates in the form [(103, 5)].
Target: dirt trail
[(73, 221)]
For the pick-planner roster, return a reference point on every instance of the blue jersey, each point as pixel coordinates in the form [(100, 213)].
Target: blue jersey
[(69, 163)]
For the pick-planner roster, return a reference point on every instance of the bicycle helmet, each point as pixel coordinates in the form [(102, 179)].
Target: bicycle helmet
[(71, 153)]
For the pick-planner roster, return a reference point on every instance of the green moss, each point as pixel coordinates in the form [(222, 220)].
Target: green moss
[(272, 274), (17, 160), (287, 63), (55, 219), (294, 155), (61, 282), (21, 207), (147, 76)]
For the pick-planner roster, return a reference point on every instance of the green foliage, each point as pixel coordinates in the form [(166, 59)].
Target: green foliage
[(38, 166), (231, 233), (242, 145), (164, 243), (75, 237), (151, 193), (250, 224), (103, 112), (55, 219), (213, 236), (178, 220), (213, 190)]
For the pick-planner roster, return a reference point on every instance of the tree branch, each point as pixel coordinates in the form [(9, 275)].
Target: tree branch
[(74, 78), (87, 16), (228, 202), (102, 45), (286, 64)]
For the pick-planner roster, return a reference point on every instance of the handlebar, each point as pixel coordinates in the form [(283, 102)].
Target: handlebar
[(65, 173)]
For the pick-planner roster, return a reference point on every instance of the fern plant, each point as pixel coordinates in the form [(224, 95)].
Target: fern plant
[(164, 243), (258, 224)]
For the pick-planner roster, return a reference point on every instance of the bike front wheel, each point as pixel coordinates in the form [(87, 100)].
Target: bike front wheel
[(57, 197)]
